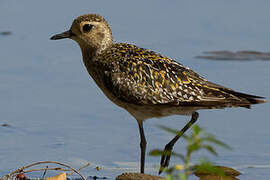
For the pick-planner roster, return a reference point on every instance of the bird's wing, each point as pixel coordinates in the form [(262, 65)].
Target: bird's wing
[(143, 77)]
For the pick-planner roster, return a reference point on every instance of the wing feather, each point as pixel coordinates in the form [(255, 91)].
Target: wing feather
[(143, 77)]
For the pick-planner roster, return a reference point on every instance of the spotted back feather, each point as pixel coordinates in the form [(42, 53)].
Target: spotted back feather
[(140, 76)]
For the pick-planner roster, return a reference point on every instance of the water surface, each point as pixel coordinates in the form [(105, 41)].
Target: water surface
[(56, 112)]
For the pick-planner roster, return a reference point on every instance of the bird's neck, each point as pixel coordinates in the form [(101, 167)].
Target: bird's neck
[(89, 56), (88, 53), (91, 61)]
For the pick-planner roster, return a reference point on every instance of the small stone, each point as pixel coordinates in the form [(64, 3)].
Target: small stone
[(212, 177), (138, 176), (227, 171), (5, 33), (5, 125)]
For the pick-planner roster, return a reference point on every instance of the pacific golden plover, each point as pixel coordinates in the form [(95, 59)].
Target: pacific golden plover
[(145, 83)]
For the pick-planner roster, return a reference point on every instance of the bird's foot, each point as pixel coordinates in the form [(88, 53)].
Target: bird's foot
[(165, 158)]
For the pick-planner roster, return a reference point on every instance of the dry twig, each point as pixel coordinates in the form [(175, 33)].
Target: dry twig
[(22, 169)]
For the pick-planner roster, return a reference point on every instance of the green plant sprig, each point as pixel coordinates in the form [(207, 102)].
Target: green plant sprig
[(197, 140)]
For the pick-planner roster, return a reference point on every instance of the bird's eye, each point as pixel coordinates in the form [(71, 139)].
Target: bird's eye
[(87, 27)]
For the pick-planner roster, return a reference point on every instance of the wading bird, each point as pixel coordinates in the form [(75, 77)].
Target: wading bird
[(145, 83)]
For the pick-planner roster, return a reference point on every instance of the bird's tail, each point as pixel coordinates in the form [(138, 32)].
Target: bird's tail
[(250, 98)]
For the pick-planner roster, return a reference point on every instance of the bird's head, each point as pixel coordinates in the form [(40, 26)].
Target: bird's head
[(90, 31)]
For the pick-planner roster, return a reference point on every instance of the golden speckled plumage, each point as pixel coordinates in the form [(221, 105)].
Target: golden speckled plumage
[(140, 76), (145, 83)]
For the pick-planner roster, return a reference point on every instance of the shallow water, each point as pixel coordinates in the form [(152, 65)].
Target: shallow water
[(56, 112)]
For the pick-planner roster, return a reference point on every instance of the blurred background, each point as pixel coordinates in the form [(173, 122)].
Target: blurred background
[(51, 110)]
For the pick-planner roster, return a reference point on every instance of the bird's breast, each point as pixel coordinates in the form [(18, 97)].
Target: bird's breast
[(97, 71)]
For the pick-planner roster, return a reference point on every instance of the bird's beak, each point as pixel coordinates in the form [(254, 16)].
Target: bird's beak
[(63, 35)]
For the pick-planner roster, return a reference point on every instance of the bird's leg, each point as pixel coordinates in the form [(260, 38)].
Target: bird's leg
[(165, 158), (142, 145)]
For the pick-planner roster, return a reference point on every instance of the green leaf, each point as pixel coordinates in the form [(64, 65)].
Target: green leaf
[(169, 177), (181, 156), (196, 129), (210, 149), (156, 152), (170, 130), (212, 139), (193, 147), (168, 170), (182, 176)]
